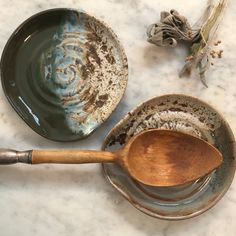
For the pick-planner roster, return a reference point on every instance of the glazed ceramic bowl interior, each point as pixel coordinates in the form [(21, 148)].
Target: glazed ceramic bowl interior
[(185, 114), (64, 72)]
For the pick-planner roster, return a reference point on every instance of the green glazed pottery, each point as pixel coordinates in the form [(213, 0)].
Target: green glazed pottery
[(185, 114), (64, 72)]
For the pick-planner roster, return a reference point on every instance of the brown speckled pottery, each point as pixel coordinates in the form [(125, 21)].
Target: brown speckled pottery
[(64, 72), (185, 114)]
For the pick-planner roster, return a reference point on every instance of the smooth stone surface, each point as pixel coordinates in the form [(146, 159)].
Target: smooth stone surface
[(77, 200)]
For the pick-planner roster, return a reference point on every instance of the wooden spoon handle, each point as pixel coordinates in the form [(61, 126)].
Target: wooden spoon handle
[(71, 156), (8, 156)]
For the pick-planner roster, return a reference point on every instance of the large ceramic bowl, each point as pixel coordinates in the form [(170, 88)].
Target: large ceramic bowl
[(64, 72), (185, 114)]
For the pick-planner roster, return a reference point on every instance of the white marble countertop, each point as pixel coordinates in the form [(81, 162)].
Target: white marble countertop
[(77, 200)]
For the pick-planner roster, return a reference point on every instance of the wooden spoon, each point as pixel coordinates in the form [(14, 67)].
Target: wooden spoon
[(153, 157)]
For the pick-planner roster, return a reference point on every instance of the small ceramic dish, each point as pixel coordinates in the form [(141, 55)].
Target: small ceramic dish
[(64, 72), (185, 114)]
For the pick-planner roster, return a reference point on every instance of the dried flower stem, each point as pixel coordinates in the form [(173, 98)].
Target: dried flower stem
[(200, 49)]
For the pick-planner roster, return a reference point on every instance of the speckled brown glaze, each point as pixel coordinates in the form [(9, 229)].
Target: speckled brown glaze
[(185, 114), (103, 70)]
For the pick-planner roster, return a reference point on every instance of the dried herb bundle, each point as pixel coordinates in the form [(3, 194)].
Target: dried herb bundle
[(174, 27)]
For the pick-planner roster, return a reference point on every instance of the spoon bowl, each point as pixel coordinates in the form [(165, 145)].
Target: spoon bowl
[(168, 158)]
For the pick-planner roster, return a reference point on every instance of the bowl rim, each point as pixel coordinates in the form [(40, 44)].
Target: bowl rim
[(137, 204), (106, 26)]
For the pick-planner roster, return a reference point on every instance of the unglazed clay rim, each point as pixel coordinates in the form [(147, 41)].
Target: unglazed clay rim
[(139, 205), (120, 48)]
